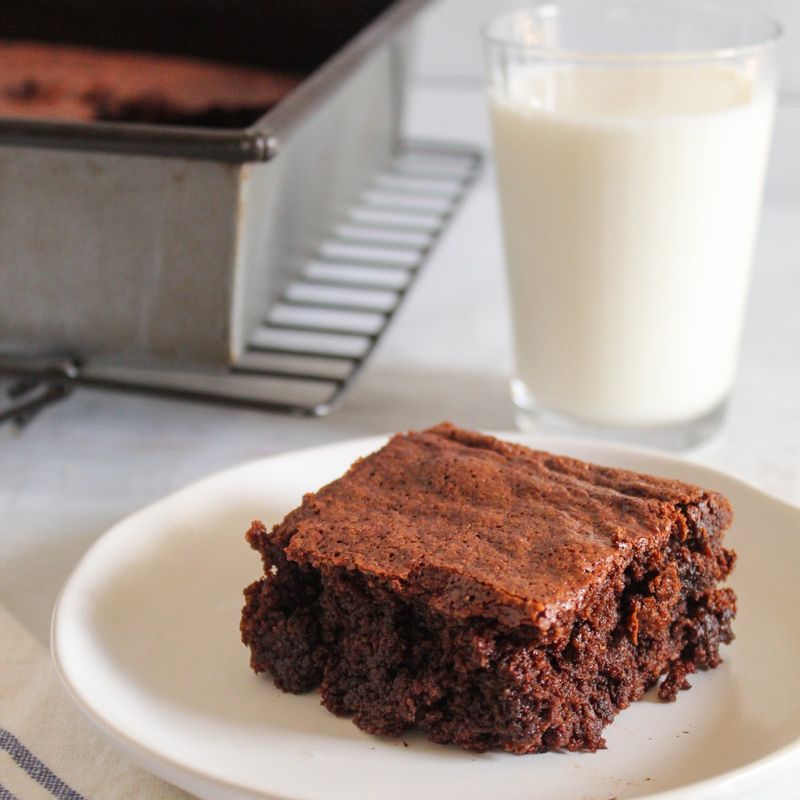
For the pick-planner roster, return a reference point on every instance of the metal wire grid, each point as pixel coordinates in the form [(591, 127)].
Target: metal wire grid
[(318, 337)]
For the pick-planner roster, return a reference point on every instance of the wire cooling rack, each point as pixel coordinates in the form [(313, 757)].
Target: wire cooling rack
[(316, 340)]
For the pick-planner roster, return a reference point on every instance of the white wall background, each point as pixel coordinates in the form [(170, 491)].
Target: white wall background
[(458, 64)]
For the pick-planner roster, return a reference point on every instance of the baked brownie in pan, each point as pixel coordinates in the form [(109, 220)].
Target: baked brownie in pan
[(494, 596), (41, 80)]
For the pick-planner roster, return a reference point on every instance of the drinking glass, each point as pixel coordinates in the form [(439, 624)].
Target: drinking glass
[(631, 140)]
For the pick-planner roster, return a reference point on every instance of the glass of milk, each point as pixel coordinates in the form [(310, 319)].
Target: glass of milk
[(631, 140)]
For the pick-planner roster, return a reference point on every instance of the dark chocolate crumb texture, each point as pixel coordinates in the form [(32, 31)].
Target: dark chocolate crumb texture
[(494, 596)]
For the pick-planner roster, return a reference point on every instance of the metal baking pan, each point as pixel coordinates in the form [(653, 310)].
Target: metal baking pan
[(147, 244)]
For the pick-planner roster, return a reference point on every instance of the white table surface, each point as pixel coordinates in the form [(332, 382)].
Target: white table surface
[(91, 460)]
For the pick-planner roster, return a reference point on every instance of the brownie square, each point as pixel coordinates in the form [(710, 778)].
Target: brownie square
[(494, 596)]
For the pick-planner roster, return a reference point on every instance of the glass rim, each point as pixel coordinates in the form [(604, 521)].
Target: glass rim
[(768, 42)]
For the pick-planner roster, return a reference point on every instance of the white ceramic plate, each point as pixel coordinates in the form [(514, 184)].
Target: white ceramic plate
[(146, 639)]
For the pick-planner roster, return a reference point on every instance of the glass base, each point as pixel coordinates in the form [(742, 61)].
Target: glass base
[(532, 417)]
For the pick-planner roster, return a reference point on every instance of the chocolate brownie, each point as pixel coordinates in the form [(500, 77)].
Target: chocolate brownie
[(492, 595), (62, 82)]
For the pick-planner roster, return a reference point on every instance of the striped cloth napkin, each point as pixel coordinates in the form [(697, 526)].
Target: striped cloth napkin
[(47, 750)]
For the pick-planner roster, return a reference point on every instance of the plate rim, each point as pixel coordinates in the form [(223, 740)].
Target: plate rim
[(161, 764)]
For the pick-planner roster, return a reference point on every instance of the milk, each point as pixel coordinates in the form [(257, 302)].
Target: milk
[(630, 201)]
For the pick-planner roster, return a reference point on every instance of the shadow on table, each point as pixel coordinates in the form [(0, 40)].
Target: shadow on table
[(402, 398)]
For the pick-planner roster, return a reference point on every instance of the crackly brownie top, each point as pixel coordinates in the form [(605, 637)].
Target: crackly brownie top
[(482, 527)]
